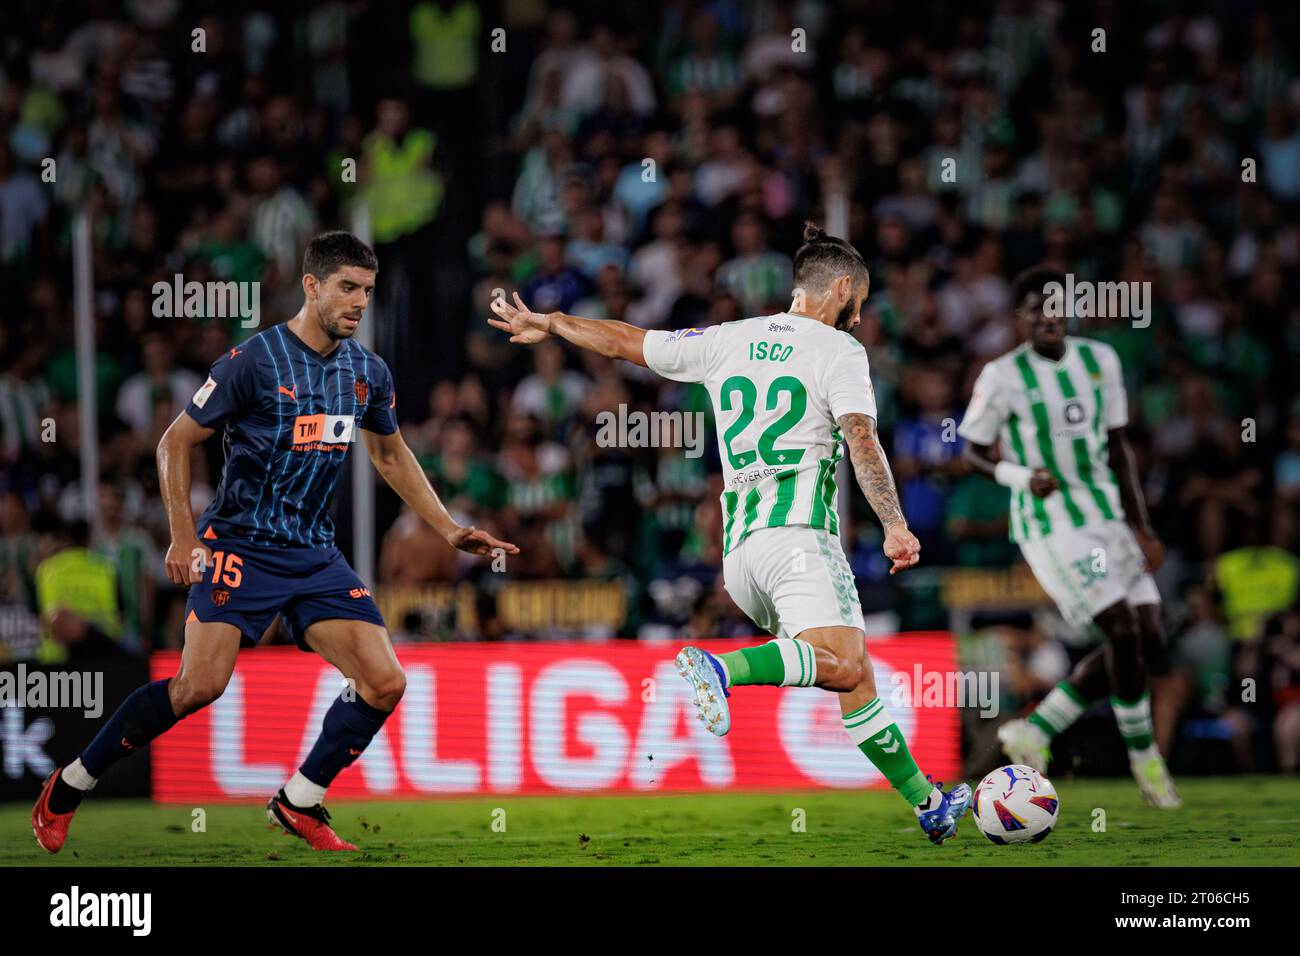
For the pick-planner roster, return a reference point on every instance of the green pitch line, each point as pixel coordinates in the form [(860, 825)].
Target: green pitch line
[(1226, 821)]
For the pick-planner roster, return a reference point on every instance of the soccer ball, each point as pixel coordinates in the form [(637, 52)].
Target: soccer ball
[(1015, 804)]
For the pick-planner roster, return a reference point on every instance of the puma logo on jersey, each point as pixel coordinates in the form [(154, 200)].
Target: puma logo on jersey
[(289, 392)]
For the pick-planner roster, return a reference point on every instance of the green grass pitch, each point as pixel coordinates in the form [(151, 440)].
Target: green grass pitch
[(1226, 821)]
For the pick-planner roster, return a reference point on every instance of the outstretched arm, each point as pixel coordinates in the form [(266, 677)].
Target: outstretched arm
[(608, 338), (393, 459), (877, 483)]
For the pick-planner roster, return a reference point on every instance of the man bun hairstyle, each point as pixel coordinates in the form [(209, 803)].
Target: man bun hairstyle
[(329, 252), (822, 258)]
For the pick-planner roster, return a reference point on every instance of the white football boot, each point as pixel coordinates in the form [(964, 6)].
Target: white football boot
[(704, 673), (1025, 744), (1153, 780)]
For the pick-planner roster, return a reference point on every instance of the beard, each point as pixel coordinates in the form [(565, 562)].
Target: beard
[(333, 326), (845, 317)]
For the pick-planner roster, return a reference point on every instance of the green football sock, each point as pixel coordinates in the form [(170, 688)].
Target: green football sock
[(1134, 721), (778, 663), (1059, 709), (876, 735)]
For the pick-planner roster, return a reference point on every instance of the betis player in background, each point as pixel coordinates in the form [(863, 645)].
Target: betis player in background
[(1057, 405), (787, 389), (289, 403)]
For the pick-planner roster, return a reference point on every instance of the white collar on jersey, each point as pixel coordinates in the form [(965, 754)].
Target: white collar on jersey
[(1052, 363)]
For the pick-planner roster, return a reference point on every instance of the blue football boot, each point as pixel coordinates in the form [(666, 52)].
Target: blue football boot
[(940, 823)]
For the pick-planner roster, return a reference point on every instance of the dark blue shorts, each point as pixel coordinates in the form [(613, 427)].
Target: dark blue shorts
[(248, 585)]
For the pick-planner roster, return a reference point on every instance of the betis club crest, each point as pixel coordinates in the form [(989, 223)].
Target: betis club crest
[(360, 389)]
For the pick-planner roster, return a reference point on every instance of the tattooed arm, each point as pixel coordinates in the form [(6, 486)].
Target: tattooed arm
[(605, 337), (872, 468), (877, 483)]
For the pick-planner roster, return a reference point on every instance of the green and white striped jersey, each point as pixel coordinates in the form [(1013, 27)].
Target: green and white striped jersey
[(778, 384), (1054, 415)]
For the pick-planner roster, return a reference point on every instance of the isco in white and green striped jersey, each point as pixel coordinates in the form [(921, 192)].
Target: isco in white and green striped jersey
[(778, 384)]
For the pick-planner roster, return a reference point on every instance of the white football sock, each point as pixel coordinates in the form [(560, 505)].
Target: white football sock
[(1060, 708), (932, 801), (301, 792), (75, 775), (800, 662)]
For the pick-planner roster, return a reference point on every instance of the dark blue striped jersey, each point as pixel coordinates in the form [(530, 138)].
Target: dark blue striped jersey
[(288, 417)]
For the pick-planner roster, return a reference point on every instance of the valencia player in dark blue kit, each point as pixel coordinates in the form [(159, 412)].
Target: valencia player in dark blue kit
[(289, 403)]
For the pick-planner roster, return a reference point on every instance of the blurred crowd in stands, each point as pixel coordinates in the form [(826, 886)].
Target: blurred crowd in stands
[(654, 163)]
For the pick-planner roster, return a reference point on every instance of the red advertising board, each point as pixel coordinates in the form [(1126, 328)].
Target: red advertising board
[(543, 718)]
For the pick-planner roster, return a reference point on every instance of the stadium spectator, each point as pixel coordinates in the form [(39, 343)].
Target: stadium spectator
[(23, 210), (77, 597), (1257, 579), (159, 382)]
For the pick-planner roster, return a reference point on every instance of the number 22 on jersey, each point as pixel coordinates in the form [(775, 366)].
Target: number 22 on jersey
[(766, 445)]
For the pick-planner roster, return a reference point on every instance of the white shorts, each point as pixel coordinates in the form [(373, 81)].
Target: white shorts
[(1086, 570), (791, 579)]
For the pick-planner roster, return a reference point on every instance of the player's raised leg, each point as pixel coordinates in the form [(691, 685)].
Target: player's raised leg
[(784, 663), (788, 663), (207, 662), (363, 653)]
